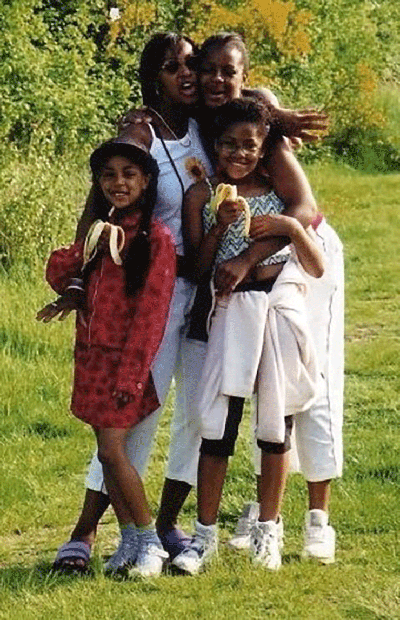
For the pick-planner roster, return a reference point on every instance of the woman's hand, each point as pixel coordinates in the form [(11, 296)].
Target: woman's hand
[(301, 123), (134, 117), (230, 273), (72, 299), (272, 225), (122, 398)]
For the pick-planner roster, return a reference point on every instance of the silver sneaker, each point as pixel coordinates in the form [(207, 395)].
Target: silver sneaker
[(151, 556), (319, 537), (126, 554), (203, 547), (264, 545), (249, 517)]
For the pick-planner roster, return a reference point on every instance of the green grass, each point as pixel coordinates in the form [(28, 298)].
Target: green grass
[(44, 453)]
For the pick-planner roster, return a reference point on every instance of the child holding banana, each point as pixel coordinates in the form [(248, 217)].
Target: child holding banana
[(259, 340)]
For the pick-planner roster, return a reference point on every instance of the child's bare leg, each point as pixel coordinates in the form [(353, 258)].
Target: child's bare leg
[(274, 471), (173, 497), (211, 477), (319, 495), (123, 483), (94, 506), (213, 464)]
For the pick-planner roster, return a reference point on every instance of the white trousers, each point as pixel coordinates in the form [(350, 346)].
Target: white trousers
[(182, 359), (318, 446)]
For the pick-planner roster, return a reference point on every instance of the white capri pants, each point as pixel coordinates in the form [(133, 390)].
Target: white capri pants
[(318, 432), (182, 359)]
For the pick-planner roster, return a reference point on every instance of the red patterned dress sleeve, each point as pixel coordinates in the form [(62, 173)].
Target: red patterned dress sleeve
[(150, 317), (64, 264)]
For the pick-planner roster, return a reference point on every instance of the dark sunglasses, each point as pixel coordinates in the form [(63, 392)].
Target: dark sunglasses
[(173, 66)]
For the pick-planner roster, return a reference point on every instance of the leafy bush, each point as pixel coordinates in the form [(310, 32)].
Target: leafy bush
[(40, 205), (366, 149), (67, 71)]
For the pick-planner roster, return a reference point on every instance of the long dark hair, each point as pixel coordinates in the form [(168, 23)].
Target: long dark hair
[(137, 255), (151, 61)]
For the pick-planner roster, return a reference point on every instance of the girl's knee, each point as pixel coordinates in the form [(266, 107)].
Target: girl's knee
[(109, 450), (108, 455)]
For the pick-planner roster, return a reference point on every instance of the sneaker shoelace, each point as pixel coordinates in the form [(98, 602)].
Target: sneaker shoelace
[(261, 543), (197, 546)]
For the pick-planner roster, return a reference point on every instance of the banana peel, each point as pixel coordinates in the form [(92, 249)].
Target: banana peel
[(116, 241), (225, 191)]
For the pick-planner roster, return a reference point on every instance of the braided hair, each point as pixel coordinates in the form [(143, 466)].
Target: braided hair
[(137, 257)]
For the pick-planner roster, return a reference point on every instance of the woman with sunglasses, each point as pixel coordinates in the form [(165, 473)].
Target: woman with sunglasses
[(168, 85)]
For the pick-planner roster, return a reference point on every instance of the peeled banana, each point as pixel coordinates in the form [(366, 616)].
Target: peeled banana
[(94, 235), (224, 191)]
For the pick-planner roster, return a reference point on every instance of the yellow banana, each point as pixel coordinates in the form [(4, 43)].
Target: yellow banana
[(224, 191), (93, 236)]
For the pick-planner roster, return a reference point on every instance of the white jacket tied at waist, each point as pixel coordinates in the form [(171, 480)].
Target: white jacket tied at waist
[(261, 343)]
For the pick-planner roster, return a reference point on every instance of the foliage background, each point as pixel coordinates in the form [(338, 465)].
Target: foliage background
[(67, 71)]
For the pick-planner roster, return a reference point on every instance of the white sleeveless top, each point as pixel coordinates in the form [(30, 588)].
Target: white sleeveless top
[(168, 208)]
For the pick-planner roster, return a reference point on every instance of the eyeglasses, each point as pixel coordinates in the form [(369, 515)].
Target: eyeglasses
[(229, 146), (173, 66)]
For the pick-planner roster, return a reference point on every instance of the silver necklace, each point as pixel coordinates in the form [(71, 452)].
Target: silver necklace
[(164, 122)]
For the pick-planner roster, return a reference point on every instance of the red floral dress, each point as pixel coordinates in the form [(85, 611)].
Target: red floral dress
[(116, 346)]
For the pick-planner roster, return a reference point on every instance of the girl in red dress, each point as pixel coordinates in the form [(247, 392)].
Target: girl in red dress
[(125, 269)]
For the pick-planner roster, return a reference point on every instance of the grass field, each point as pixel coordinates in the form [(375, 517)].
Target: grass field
[(44, 453)]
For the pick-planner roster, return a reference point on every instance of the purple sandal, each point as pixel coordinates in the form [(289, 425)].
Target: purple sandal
[(69, 554), (175, 541)]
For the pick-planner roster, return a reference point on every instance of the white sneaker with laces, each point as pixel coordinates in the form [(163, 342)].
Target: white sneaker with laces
[(249, 517), (264, 544), (319, 537), (151, 555), (203, 547)]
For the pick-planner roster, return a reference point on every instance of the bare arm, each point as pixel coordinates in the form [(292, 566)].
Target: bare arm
[(308, 253), (301, 124), (203, 247), (307, 250)]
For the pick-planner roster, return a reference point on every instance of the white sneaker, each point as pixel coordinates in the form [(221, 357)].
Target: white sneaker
[(264, 544), (249, 517), (151, 556), (203, 547), (319, 537)]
